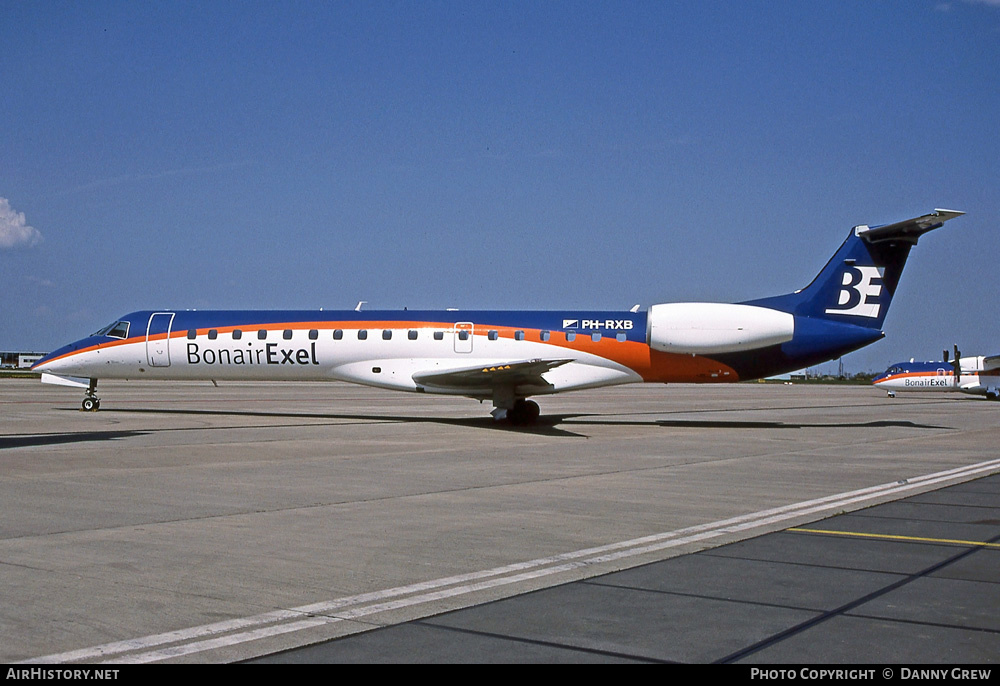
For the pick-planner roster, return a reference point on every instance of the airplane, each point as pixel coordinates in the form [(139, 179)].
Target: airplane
[(977, 375), (506, 357)]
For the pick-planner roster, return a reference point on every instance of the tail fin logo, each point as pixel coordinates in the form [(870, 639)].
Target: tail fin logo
[(859, 292)]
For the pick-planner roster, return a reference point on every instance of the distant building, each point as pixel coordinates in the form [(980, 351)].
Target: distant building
[(19, 359)]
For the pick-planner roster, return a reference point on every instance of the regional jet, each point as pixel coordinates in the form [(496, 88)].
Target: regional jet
[(977, 375), (507, 357)]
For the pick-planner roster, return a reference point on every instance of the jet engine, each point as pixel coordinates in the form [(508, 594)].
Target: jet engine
[(705, 328)]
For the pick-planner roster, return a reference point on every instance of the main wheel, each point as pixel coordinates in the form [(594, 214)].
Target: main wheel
[(91, 404), (524, 412)]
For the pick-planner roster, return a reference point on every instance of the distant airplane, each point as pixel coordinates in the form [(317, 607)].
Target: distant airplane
[(508, 356), (977, 375)]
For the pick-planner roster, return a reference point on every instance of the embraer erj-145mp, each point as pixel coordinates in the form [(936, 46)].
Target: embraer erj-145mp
[(508, 356), (977, 375)]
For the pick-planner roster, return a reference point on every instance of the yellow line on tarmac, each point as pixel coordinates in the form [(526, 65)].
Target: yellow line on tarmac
[(890, 537)]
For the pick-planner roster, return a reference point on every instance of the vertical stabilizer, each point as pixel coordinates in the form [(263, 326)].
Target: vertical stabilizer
[(857, 285)]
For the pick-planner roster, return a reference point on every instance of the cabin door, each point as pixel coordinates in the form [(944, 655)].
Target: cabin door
[(158, 339)]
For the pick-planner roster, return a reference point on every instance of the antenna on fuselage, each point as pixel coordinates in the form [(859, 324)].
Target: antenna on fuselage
[(360, 303)]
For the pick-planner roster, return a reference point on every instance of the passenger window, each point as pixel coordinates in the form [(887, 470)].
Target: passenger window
[(570, 336), (493, 335), (596, 336), (213, 334), (313, 334), (338, 334), (237, 334), (439, 335), (544, 335), (463, 335), (287, 334), (262, 334), (620, 337), (386, 334), (192, 334), (412, 335), (518, 335), (362, 334)]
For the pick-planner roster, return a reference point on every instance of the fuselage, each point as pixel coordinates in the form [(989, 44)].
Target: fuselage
[(388, 349)]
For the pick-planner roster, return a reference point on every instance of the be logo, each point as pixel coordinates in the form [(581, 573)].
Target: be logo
[(859, 292)]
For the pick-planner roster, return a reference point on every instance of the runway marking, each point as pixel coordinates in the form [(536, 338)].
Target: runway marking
[(894, 537), (233, 632)]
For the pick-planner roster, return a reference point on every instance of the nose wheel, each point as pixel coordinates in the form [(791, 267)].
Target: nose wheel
[(91, 403)]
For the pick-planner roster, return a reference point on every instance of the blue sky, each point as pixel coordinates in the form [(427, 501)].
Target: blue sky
[(514, 155)]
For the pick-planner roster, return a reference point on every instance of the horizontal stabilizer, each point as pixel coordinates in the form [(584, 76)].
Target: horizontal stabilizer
[(910, 229), (505, 374), (72, 381)]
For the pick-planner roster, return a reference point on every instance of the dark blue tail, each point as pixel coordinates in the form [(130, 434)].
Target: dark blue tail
[(857, 284), (844, 307)]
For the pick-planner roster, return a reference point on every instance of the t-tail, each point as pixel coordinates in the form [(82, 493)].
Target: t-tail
[(845, 305)]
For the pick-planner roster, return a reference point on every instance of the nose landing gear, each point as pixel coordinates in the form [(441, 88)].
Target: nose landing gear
[(91, 403)]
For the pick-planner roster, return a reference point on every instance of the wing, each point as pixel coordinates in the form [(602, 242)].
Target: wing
[(526, 373), (72, 381), (990, 363)]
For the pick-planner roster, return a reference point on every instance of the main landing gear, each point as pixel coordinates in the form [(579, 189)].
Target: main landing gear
[(522, 413), (91, 403)]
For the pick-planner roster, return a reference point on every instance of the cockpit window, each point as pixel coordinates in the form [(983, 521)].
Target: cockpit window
[(115, 330)]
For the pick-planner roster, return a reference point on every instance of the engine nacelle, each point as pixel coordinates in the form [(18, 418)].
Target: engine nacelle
[(703, 328)]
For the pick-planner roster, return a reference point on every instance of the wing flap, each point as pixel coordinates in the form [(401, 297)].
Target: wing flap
[(503, 374)]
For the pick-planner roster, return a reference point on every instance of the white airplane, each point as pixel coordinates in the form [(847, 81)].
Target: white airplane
[(508, 356), (977, 375)]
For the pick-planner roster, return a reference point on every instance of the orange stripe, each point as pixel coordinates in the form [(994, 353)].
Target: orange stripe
[(651, 365)]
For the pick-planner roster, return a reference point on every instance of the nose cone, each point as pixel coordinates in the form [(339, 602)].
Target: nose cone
[(63, 360)]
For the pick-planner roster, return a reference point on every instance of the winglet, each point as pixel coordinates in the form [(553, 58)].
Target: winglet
[(909, 229)]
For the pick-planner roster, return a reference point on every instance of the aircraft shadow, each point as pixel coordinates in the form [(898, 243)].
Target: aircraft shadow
[(557, 425), (26, 441), (723, 424), (545, 425)]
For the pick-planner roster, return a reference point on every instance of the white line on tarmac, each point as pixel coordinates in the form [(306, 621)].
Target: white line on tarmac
[(210, 636)]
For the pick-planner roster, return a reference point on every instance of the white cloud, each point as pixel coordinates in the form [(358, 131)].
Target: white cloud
[(14, 231), (38, 281)]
